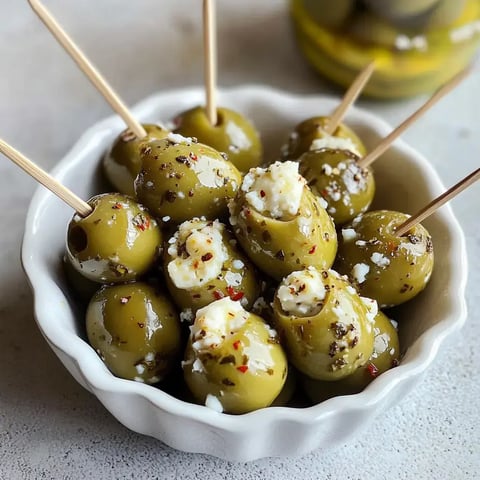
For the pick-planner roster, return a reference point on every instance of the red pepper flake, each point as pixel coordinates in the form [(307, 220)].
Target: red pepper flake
[(262, 193), (242, 368), (236, 344), (208, 256), (193, 156), (312, 250), (117, 206), (233, 294), (372, 370), (217, 294), (141, 221)]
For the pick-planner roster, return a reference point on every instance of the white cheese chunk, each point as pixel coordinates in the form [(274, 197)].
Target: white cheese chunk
[(214, 403), (379, 259), (360, 271), (334, 143), (277, 189), (302, 293), (215, 322), (198, 254)]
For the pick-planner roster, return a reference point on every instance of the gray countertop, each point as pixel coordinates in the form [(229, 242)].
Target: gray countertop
[(49, 426)]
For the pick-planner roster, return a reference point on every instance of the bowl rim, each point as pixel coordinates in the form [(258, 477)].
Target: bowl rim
[(426, 346)]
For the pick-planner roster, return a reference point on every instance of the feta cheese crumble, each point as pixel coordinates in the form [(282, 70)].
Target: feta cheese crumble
[(360, 271), (302, 293), (348, 234), (214, 403), (215, 322), (334, 143), (277, 189), (176, 139), (379, 259), (197, 252)]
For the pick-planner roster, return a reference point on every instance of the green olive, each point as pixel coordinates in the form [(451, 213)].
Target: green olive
[(117, 242), (304, 134), (233, 361), (328, 13), (135, 330), (203, 264), (336, 176), (370, 29), (326, 327), (282, 228), (381, 265), (181, 179), (122, 162), (233, 134), (386, 354)]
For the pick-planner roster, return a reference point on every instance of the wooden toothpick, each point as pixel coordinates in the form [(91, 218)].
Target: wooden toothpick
[(210, 59), (349, 99), (433, 206), (88, 69), (81, 207), (389, 139)]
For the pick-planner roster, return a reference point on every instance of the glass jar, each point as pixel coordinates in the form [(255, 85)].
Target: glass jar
[(417, 44)]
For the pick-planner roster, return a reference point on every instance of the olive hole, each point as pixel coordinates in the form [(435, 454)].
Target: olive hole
[(77, 239), (220, 119)]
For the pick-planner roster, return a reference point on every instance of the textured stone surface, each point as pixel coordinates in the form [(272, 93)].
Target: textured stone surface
[(49, 426)]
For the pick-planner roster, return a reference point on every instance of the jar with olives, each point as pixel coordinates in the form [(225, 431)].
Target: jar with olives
[(417, 44)]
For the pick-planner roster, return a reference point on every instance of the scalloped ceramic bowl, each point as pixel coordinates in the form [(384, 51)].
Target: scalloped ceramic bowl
[(274, 431)]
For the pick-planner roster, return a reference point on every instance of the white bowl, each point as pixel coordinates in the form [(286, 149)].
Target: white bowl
[(405, 181)]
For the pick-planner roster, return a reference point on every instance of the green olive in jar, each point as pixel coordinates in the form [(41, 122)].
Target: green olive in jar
[(330, 14), (233, 361), (400, 11), (325, 326), (233, 134), (309, 131), (386, 355), (202, 264), (381, 265), (122, 162), (117, 242), (181, 179), (135, 330), (335, 176), (280, 223)]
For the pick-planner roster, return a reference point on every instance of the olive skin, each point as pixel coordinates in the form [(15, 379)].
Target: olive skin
[(306, 132), (236, 277), (336, 176), (279, 247), (118, 242), (382, 266), (244, 371), (122, 162), (336, 338), (233, 134), (179, 181), (386, 355), (82, 287), (136, 331)]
